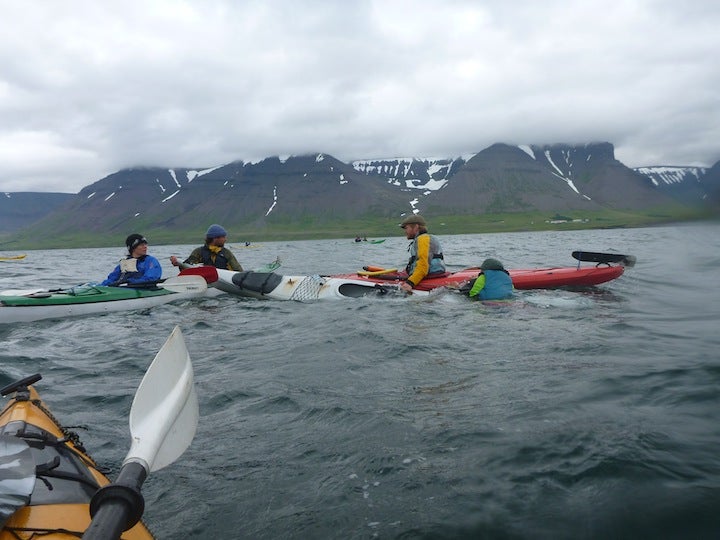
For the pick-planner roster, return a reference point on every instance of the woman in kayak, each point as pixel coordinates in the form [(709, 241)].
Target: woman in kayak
[(493, 283), (138, 267), (213, 253), (426, 258)]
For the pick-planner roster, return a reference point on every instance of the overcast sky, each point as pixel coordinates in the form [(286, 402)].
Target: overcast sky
[(91, 87)]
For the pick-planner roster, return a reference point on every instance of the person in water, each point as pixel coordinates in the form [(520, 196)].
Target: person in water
[(138, 267), (493, 283), (213, 253), (426, 257)]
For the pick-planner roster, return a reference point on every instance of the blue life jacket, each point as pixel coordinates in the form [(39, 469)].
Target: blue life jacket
[(498, 285)]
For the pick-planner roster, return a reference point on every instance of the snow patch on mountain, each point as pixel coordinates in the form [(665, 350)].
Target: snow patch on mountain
[(427, 174), (529, 151), (660, 175), (192, 175), (170, 196)]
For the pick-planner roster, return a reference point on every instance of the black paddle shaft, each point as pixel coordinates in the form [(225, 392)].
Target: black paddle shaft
[(117, 507), (21, 384)]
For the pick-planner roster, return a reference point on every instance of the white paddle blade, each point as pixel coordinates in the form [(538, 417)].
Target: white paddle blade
[(185, 284), (164, 413)]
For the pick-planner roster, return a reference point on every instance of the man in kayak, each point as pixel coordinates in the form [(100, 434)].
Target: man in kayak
[(213, 253), (426, 258), (493, 283), (138, 267)]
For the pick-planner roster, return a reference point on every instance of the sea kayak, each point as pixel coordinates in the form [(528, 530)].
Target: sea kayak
[(49, 484), (37, 304), (13, 257), (64, 477), (270, 285)]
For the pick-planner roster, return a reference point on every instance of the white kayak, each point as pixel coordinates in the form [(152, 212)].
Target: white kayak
[(272, 286)]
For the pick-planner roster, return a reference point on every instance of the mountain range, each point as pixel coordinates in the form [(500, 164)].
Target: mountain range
[(319, 192)]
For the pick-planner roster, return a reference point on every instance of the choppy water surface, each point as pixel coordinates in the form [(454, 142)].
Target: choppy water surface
[(569, 414)]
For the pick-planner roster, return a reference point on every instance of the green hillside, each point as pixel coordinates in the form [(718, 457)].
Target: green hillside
[(313, 228)]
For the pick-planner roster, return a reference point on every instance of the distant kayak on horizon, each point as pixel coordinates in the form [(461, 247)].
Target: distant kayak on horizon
[(13, 257), (379, 241)]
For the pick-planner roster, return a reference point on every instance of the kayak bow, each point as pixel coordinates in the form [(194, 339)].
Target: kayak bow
[(69, 485)]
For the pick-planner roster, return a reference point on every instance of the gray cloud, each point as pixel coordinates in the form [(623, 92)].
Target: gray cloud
[(87, 88)]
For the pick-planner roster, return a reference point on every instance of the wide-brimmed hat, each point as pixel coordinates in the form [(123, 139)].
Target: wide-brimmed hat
[(413, 219)]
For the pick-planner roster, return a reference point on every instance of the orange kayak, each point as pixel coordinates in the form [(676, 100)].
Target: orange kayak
[(66, 477)]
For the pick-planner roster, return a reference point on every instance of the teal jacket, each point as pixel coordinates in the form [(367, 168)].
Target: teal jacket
[(492, 285)]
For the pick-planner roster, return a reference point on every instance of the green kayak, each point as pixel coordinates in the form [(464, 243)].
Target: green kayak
[(38, 304)]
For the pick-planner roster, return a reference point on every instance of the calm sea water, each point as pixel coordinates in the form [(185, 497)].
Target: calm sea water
[(586, 414)]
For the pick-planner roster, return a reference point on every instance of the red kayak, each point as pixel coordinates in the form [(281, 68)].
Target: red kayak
[(536, 278), (270, 285)]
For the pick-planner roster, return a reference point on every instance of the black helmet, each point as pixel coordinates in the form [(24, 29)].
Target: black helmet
[(491, 264)]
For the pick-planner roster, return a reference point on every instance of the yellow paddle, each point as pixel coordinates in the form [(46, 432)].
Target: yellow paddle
[(377, 272)]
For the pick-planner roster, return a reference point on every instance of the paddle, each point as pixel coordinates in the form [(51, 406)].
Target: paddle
[(377, 272), (184, 284), (209, 274), (163, 420), (607, 258)]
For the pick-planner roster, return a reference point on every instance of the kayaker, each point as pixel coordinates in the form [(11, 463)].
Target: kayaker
[(138, 267), (493, 283), (213, 253), (426, 257)]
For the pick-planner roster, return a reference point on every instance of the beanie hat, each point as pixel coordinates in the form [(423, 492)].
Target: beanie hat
[(412, 219), (491, 264), (215, 231), (134, 240)]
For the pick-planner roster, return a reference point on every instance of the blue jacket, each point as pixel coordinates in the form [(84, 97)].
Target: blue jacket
[(148, 270), (492, 285)]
